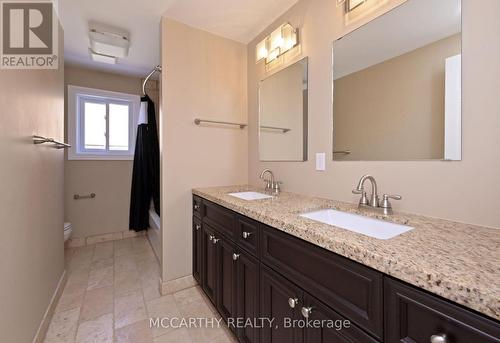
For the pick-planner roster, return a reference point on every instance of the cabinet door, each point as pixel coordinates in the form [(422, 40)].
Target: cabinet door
[(332, 327), (197, 249), (226, 277), (208, 263), (415, 316), (277, 295), (247, 303)]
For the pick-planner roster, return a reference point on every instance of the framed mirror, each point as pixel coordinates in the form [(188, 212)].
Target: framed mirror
[(397, 86), (283, 114)]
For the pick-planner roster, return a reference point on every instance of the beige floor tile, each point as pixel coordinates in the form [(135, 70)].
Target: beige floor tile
[(72, 296), (100, 278), (175, 336), (151, 288), (188, 295), (102, 263), (123, 247), (127, 281), (129, 308), (163, 307), (62, 328), (96, 303), (103, 251), (99, 330), (134, 333), (125, 263)]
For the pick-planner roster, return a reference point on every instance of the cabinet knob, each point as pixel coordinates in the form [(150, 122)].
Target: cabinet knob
[(441, 338), (215, 240), (236, 256), (246, 234), (292, 302), (198, 226), (306, 311), (196, 207), (211, 238)]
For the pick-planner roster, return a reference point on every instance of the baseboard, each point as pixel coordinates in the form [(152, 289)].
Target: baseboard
[(44, 325), (172, 286), (106, 237)]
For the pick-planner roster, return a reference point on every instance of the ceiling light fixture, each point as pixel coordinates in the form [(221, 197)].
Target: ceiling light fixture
[(107, 42), (281, 40)]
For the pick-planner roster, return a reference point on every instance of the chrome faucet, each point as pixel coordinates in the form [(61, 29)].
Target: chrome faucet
[(374, 201), (271, 185)]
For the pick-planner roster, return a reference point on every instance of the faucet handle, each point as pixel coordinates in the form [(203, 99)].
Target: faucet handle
[(276, 186), (385, 200)]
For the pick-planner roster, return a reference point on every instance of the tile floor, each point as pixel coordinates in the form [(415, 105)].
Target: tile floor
[(112, 291)]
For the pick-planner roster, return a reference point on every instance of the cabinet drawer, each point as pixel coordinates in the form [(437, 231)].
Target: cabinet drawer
[(354, 291), (197, 206), (222, 219), (413, 315), (247, 234)]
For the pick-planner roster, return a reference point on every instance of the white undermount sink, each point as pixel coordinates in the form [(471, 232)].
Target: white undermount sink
[(250, 195), (375, 228)]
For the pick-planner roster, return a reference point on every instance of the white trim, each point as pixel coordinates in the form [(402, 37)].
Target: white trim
[(73, 135)]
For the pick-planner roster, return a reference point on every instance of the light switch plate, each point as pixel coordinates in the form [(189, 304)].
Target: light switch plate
[(321, 161)]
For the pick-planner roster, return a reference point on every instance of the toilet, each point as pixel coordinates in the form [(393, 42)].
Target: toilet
[(68, 230)]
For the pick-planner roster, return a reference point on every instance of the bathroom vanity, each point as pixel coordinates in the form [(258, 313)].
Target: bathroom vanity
[(259, 258)]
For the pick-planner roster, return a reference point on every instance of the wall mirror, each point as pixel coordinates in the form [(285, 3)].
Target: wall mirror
[(397, 86), (283, 114)]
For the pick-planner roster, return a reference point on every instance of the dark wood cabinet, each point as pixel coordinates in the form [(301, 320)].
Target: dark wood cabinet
[(414, 316), (351, 289), (251, 271), (197, 249), (336, 329), (247, 295), (226, 278), (208, 262), (280, 300)]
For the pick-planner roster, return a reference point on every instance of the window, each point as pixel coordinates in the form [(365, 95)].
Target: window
[(101, 124)]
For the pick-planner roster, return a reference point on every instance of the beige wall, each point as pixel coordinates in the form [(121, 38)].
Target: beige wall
[(110, 180), (460, 191), (203, 76), (404, 113), (31, 198)]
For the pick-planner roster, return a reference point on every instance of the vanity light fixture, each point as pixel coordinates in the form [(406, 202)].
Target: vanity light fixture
[(350, 4), (281, 40)]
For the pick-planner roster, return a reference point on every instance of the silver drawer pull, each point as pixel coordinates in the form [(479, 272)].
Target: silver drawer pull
[(198, 226), (236, 256), (246, 234), (441, 338), (215, 240), (211, 238), (292, 302), (196, 207), (306, 311)]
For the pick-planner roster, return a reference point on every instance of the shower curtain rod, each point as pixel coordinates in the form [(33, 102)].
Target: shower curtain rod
[(156, 69)]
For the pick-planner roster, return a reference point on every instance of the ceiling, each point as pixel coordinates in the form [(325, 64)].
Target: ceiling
[(240, 20)]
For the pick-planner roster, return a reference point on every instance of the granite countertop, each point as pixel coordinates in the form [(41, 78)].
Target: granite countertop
[(457, 261)]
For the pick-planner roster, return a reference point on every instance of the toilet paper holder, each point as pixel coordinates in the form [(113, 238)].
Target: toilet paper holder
[(88, 196)]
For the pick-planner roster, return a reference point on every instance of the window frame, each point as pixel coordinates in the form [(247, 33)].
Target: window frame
[(76, 99)]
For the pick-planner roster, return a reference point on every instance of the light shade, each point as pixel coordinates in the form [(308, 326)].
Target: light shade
[(102, 58), (108, 41), (277, 43)]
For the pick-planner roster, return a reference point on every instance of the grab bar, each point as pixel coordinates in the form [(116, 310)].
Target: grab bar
[(42, 140), (89, 196), (198, 121), (285, 130)]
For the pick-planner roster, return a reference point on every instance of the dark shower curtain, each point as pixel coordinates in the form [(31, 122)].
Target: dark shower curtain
[(146, 171)]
